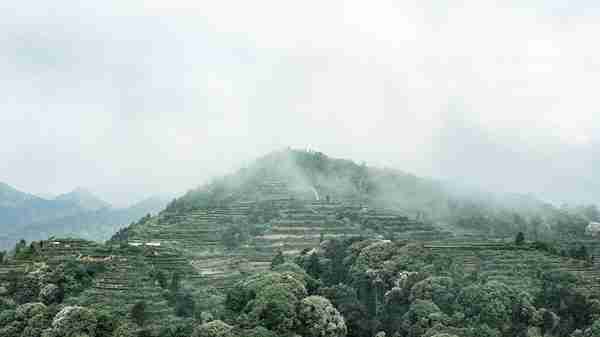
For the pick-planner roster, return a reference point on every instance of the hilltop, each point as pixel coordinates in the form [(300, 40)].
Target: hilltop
[(313, 176), (292, 200), (84, 198), (354, 232)]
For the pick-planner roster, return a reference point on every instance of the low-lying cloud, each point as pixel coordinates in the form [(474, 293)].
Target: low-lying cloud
[(133, 98)]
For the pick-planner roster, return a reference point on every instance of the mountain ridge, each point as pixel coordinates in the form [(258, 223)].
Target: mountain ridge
[(78, 213), (314, 175), (84, 198), (10, 195)]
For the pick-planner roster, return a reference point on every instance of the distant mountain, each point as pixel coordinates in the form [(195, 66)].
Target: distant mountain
[(9, 196), (84, 198), (97, 225), (18, 208), (78, 214)]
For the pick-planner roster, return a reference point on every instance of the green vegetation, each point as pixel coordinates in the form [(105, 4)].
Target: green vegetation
[(300, 244)]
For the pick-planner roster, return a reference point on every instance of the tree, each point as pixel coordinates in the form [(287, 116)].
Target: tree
[(275, 308), (319, 318), (185, 305), (20, 246), (592, 213), (138, 313), (582, 253), (536, 225), (106, 324), (277, 260), (161, 278), (439, 290), (51, 294), (520, 239), (175, 283), (593, 331), (73, 321), (522, 315), (490, 303), (314, 266), (519, 222), (28, 320), (27, 290), (244, 292), (421, 316), (213, 329), (126, 330), (233, 235), (549, 322), (176, 330), (22, 251), (345, 300)]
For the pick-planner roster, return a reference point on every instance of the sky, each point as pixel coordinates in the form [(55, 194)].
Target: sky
[(134, 98)]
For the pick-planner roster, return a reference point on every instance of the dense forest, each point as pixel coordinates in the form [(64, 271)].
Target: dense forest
[(353, 287)]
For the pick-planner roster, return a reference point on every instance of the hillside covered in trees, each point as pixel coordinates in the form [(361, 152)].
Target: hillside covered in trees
[(300, 244), (354, 287)]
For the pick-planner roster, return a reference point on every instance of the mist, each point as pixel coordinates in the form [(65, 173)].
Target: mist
[(138, 98)]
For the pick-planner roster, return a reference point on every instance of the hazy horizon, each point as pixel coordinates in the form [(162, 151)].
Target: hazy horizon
[(131, 99)]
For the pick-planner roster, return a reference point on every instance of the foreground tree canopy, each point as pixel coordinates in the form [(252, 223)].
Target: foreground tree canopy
[(342, 288)]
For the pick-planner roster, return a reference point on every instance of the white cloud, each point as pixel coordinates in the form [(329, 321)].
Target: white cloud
[(143, 96)]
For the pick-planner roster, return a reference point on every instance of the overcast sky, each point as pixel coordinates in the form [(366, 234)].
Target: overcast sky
[(131, 98)]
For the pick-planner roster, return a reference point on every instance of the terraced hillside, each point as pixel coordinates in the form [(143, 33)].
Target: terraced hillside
[(291, 200), (123, 275), (199, 236), (519, 267), (235, 226), (52, 252), (126, 280)]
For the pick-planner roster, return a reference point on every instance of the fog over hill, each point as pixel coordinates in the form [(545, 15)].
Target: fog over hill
[(84, 198), (136, 98), (336, 168)]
